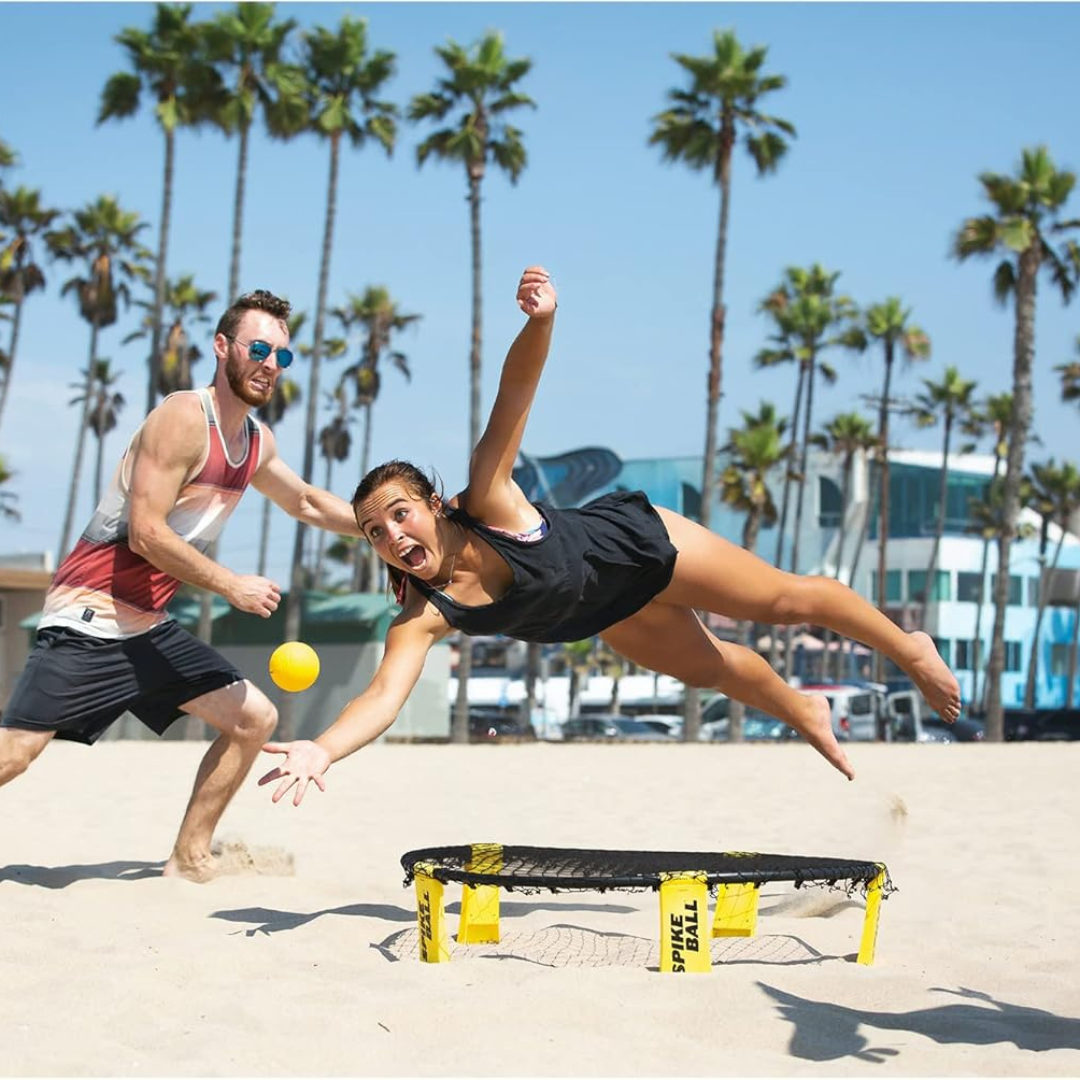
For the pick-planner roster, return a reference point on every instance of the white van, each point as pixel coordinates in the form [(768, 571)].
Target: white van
[(856, 710)]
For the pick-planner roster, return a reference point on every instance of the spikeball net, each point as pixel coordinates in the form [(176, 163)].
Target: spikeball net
[(684, 880)]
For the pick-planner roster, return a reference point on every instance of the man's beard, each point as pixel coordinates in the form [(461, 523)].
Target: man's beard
[(235, 373)]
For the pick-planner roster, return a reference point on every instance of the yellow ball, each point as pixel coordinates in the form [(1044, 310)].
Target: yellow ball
[(294, 666)]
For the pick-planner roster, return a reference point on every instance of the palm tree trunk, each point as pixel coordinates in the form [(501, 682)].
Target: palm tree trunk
[(80, 442), (745, 628), (264, 537), (16, 319), (692, 699), (864, 527), (774, 644), (939, 526), (294, 603), (238, 214), (459, 729), (1023, 359), (883, 498), (976, 644), (365, 553), (789, 631), (159, 271), (320, 546), (1033, 663), (845, 498)]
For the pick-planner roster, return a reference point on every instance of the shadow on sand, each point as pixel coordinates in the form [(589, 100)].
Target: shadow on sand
[(825, 1032), (60, 877), (274, 922)]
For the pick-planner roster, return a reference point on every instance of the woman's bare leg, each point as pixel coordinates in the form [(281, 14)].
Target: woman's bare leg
[(714, 575), (671, 639)]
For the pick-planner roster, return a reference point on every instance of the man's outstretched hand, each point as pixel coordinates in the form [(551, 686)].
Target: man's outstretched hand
[(305, 762)]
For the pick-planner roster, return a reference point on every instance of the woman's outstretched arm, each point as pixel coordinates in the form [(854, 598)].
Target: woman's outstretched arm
[(492, 495), (366, 717)]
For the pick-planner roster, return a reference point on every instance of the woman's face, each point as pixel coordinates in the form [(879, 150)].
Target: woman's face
[(402, 528)]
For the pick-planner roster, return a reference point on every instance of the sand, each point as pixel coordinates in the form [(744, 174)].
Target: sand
[(301, 960)]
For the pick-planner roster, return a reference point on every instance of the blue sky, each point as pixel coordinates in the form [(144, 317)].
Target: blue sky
[(898, 109)]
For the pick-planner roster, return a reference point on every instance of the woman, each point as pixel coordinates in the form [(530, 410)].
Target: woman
[(489, 561)]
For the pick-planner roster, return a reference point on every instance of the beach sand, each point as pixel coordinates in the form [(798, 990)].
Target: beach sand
[(302, 961)]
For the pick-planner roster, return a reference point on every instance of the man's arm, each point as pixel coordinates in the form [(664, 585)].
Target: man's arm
[(366, 717), (171, 444), (312, 505)]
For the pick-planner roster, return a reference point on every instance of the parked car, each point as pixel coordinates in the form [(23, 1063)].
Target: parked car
[(492, 725), (611, 728), (663, 723), (1042, 725), (963, 729), (757, 727), (855, 710)]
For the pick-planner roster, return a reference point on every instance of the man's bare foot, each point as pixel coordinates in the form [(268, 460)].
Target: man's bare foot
[(932, 676), (818, 732), (199, 869)]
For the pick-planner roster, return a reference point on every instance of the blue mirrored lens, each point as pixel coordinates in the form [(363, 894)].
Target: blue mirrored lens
[(284, 357), (259, 350)]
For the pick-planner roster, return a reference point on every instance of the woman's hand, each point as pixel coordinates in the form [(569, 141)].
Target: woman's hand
[(304, 762), (536, 293)]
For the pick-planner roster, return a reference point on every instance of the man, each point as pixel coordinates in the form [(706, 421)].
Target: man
[(105, 643)]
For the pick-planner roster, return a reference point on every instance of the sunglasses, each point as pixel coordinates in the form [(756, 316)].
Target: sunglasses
[(260, 351)]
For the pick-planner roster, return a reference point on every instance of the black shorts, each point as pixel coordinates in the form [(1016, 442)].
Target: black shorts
[(77, 685)]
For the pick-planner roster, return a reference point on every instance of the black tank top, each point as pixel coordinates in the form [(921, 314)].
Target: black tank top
[(597, 564)]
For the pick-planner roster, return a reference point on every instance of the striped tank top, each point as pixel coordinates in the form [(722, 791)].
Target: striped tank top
[(103, 588)]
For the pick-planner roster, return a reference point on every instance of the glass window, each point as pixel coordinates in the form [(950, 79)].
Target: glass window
[(1012, 655), (967, 587), (894, 586), (1016, 590), (944, 646), (1059, 659), (1033, 592), (965, 654), (830, 504), (916, 585)]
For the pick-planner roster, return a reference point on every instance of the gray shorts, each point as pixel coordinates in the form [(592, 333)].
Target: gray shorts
[(77, 685)]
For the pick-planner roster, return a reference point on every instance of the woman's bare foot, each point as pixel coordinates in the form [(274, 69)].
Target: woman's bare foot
[(196, 868), (818, 732), (932, 676)]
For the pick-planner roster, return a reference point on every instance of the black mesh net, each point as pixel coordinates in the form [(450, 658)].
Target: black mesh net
[(529, 869)]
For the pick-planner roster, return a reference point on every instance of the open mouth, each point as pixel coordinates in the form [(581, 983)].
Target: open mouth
[(414, 557)]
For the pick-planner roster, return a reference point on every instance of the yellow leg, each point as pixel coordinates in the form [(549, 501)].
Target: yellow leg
[(684, 911), (736, 910), (480, 903), (434, 945), (870, 921)]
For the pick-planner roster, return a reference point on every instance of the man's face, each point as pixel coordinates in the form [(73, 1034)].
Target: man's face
[(249, 380)]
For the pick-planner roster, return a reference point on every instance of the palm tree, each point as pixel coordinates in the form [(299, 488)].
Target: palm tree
[(22, 214), (755, 450), (701, 128), (845, 435), (8, 499), (1055, 497), (246, 45), (378, 314), (889, 323), (337, 100), (1026, 214), (184, 305), (103, 237), (170, 65), (810, 317), (8, 157), (480, 86), (105, 405), (951, 401)]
